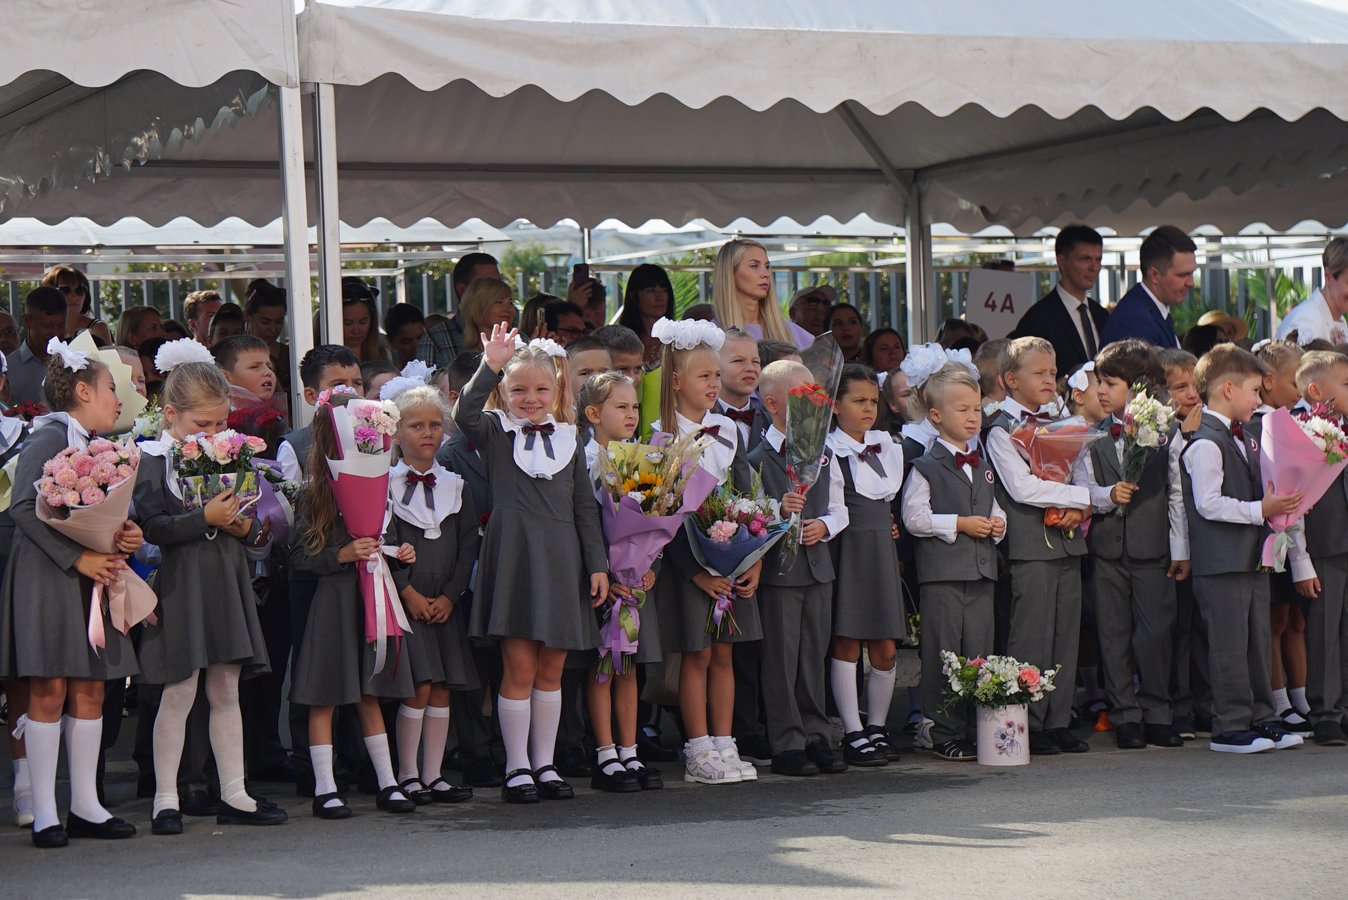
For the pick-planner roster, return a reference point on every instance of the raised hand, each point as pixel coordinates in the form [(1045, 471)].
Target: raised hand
[(497, 349)]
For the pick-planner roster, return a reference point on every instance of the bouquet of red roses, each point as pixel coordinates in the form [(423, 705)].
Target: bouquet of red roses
[(1052, 450)]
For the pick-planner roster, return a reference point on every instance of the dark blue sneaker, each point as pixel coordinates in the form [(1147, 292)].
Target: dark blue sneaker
[(1240, 742)]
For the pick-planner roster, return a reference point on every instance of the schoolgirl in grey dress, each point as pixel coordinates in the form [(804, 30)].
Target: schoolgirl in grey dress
[(543, 566), (44, 605), (207, 614)]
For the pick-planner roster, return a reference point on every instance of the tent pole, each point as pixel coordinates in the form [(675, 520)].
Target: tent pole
[(329, 234), (918, 266), (295, 238)]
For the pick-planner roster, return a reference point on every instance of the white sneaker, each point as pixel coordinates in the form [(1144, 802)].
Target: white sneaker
[(23, 817), (731, 757), (923, 736), (707, 768)]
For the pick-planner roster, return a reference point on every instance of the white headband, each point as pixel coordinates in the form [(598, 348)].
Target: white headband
[(74, 360), (1078, 380), (176, 353), (688, 333)]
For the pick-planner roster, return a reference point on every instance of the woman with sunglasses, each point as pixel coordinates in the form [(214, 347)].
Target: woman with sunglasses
[(74, 286)]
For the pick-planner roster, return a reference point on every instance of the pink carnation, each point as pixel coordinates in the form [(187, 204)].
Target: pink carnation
[(721, 532), (65, 476), (977, 662), (92, 496), (83, 465), (100, 445), (50, 466), (756, 529), (364, 434), (1029, 677)]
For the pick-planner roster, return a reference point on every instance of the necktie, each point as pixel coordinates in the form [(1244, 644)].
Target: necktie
[(546, 429), (870, 455), (1115, 429), (970, 459), (739, 415), (1086, 328), (1170, 330), (427, 480), (715, 431)]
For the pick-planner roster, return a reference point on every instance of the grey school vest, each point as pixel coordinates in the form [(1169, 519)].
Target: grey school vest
[(301, 440), (1027, 537), (1326, 522), (1219, 548), (1143, 531), (968, 559), (813, 564)]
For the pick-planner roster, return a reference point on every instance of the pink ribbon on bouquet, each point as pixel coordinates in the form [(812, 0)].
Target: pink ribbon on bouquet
[(385, 592), (127, 605)]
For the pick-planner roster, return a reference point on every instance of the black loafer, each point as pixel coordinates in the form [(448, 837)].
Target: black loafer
[(614, 778), (648, 750), (649, 779), (1329, 734), (389, 803), (112, 829), (198, 803), (169, 821), (450, 793), (1068, 742), (51, 836), (879, 736), (794, 763), (1043, 745), (420, 795), (554, 789), (527, 792), (572, 763), (823, 757), (859, 751), (265, 814), (323, 811), (482, 773), (1128, 736), (1162, 736)]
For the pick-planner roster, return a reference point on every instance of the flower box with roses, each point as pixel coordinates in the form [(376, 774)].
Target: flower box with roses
[(209, 465)]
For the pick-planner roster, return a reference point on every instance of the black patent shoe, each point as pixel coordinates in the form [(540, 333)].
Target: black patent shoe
[(879, 737), (449, 793), (1067, 741), (555, 789), (520, 793), (323, 811), (111, 829), (417, 792), (265, 814), (648, 778), (613, 777), (386, 800), (859, 751), (51, 836), (169, 821)]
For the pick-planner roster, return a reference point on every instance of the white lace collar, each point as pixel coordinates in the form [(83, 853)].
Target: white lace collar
[(531, 450), (866, 478), (720, 451), (921, 431), (76, 434), (411, 505), (11, 427)]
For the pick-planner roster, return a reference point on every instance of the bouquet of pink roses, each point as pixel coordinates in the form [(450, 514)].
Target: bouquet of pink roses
[(209, 465)]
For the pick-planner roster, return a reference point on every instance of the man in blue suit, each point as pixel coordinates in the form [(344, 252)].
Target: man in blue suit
[(1167, 264)]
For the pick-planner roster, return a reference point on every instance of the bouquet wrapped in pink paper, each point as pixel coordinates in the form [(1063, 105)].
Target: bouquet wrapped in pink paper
[(85, 495), (1301, 453), (359, 481), (645, 494)]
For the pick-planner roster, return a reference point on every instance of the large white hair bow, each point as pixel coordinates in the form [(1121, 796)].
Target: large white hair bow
[(1078, 381), (74, 360), (962, 357), (414, 374), (688, 333), (176, 353)]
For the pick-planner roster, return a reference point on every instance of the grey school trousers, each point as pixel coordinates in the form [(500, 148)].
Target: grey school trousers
[(956, 616), (1240, 649), (1190, 689), (1046, 629), (797, 623), (1327, 639), (1134, 619)]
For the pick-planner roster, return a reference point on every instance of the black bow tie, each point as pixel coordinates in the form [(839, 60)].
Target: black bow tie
[(715, 431), (546, 429), (414, 479), (739, 415), (1115, 429), (970, 459), (870, 455)]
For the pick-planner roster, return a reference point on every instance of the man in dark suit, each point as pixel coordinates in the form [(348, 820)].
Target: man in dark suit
[(1167, 262), (1066, 317)]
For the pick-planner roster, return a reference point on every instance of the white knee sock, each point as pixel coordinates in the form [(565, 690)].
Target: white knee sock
[(1280, 701), (545, 715), (844, 677), (170, 729), (434, 733), (23, 786), (879, 695), (1298, 698), (42, 740), (226, 730), (320, 756), (408, 730), (514, 716), (83, 738), (377, 746)]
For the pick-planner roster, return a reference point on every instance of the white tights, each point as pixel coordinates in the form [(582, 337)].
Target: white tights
[(226, 730)]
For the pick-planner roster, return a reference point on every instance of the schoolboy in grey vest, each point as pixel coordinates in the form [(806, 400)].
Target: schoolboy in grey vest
[(796, 606), (1139, 543), (1225, 506), (1044, 560)]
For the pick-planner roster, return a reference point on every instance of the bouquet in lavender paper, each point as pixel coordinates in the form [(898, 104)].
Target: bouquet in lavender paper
[(645, 493)]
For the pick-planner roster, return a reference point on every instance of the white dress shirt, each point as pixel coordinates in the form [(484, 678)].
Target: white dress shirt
[(916, 512), (921, 431), (744, 427), (1016, 476), (865, 480), (1101, 502), (1074, 307), (289, 462), (1203, 462), (836, 519), (1312, 319)]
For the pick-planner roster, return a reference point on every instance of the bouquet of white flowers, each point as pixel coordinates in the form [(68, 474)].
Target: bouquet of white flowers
[(994, 681), (1147, 423)]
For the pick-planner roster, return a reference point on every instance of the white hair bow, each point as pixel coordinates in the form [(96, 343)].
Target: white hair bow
[(414, 374), (548, 346), (922, 362), (176, 353), (1259, 345), (1078, 380), (74, 360), (962, 357), (688, 333)]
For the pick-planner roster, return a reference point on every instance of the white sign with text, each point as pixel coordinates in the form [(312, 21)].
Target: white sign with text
[(996, 300)]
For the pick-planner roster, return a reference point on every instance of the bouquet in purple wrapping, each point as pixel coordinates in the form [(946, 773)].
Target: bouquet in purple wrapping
[(645, 494), (728, 534)]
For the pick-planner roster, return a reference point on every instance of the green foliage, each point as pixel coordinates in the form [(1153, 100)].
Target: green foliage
[(528, 260)]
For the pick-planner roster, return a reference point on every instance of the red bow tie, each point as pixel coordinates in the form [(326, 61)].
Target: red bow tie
[(869, 450), (1237, 432), (970, 459), (414, 479), (531, 431), (870, 455), (739, 415), (715, 431), (1038, 417), (1115, 429)]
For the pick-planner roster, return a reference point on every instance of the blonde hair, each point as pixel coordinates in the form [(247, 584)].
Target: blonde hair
[(920, 404), (473, 306), (728, 313), (596, 391), (563, 405), (132, 320), (1335, 257), (1316, 365), (676, 361), (194, 385), (946, 377), (1223, 363), (1013, 355), (1173, 360), (776, 375), (1278, 355), (422, 395)]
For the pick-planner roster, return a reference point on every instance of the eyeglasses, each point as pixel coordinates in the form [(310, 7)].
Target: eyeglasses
[(571, 333), (67, 290)]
